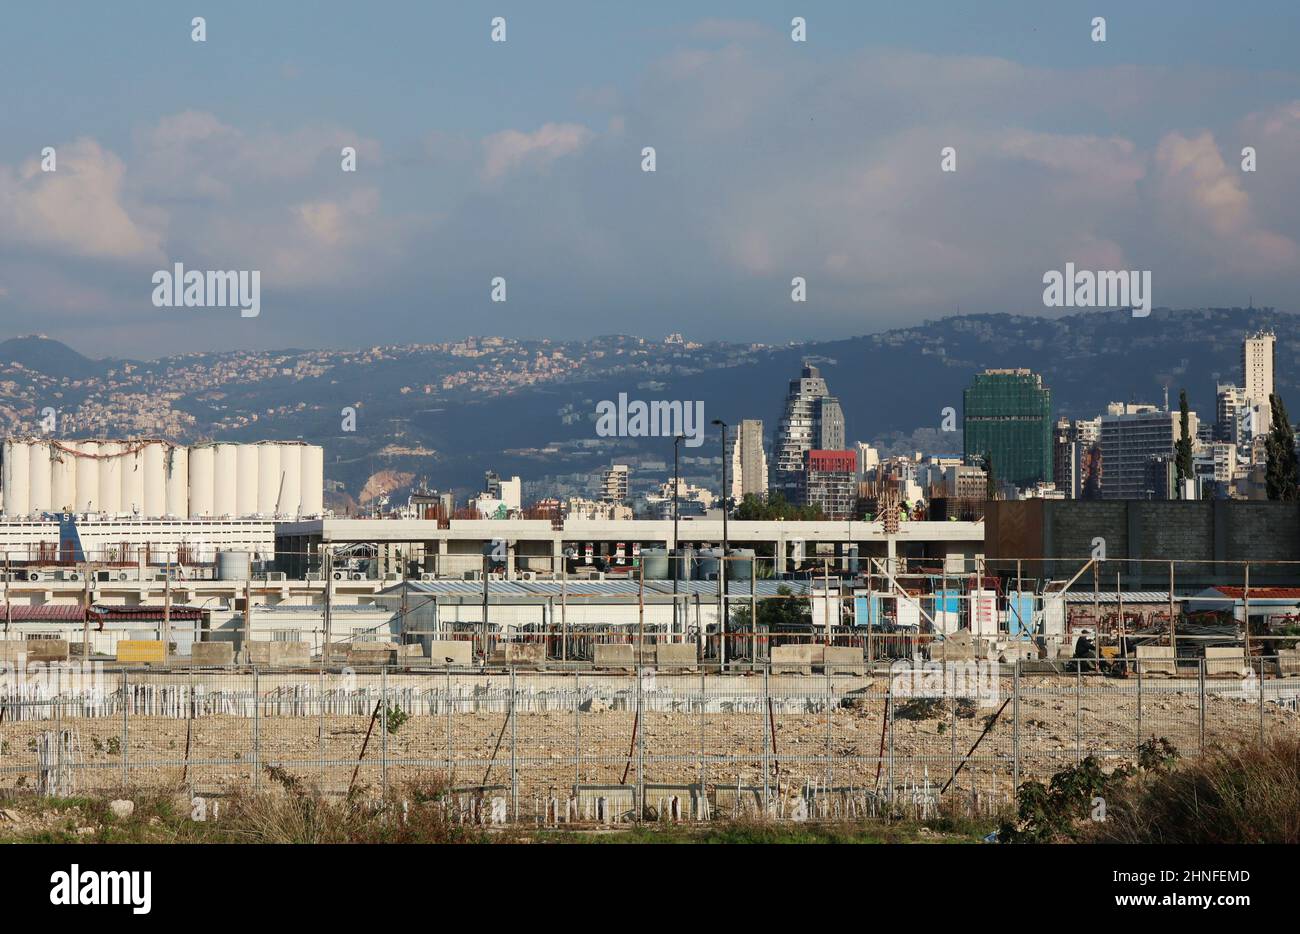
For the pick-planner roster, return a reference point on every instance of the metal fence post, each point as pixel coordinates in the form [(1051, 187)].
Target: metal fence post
[(451, 773), (640, 742), (1078, 713), (767, 747), (257, 729), (383, 731), (703, 794), (1200, 683), (830, 730), (1138, 666), (126, 730), (577, 731), (1015, 728), (1263, 740), (514, 742)]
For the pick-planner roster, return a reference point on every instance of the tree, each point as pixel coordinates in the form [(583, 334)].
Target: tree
[(752, 508), (1282, 471), (1183, 449), (783, 613)]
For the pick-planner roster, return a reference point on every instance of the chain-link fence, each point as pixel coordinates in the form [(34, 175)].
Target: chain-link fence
[(586, 746)]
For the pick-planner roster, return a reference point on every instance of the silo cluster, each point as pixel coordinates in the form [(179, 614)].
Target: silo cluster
[(151, 478)]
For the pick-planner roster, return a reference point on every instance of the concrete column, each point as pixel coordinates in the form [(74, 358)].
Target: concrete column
[(510, 559), (557, 554)]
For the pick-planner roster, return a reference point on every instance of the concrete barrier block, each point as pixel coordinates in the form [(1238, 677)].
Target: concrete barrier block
[(1288, 661), (522, 653), (615, 655), (1224, 661), (258, 653), (370, 654), (796, 658), (460, 651), (1156, 660), (676, 655), (212, 653), (290, 654), (10, 649), (843, 660)]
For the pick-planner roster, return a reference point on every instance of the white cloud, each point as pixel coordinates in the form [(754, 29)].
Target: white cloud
[(511, 149)]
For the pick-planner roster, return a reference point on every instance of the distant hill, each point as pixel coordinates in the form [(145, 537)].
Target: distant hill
[(50, 357)]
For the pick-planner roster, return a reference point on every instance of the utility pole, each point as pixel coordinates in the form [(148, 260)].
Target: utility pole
[(676, 560), (722, 565)]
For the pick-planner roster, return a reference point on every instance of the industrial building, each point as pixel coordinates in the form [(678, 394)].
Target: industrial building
[(148, 478)]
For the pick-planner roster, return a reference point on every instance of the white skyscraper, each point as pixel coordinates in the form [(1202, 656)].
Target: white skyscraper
[(1257, 366)]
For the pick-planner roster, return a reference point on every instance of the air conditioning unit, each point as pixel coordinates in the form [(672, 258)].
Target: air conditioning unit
[(35, 576), (102, 575), (496, 576), (124, 576), (358, 576), (390, 577), (426, 576), (340, 575), (527, 576), (275, 575), (315, 576)]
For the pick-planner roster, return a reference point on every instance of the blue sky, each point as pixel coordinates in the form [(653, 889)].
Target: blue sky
[(521, 159)]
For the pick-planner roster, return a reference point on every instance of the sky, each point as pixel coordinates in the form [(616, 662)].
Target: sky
[(522, 159)]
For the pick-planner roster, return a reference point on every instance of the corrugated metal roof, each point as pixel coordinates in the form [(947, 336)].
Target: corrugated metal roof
[(46, 612), (627, 589), (1130, 596)]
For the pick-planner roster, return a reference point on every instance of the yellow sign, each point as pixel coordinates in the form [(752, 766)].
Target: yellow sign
[(140, 650)]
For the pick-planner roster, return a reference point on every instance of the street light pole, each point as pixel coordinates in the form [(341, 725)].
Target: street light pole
[(676, 551), (722, 623)]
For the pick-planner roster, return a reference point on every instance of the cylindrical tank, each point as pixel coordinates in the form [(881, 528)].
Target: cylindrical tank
[(740, 561), (40, 476), (706, 567), (110, 477), (246, 479), (87, 475), (654, 563), (268, 477), (291, 470), (153, 460), (63, 478), (202, 462), (16, 478), (133, 479), (233, 565), (224, 473), (685, 564), (176, 470), (313, 480)]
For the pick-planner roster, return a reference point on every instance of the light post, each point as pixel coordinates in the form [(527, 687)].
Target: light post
[(722, 565)]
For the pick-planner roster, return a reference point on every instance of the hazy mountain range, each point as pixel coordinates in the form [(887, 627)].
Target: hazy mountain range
[(447, 412)]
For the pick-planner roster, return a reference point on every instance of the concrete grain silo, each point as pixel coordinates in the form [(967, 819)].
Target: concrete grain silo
[(202, 462), (246, 476), (110, 477), (63, 478), (291, 471), (313, 480), (132, 478), (15, 477), (176, 471), (224, 477), (39, 477), (153, 459), (87, 475), (268, 477)]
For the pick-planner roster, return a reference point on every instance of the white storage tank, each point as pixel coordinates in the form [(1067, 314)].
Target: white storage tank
[(246, 479), (87, 475), (202, 461), (313, 480), (176, 471), (291, 472), (224, 471), (133, 478), (16, 478), (268, 477), (153, 458), (63, 478), (39, 477), (110, 477)]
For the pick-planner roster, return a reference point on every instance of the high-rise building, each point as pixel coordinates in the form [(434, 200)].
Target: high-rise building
[(748, 460), (1257, 366), (614, 484), (1133, 438), (812, 420), (1229, 400), (1007, 416), (868, 460), (830, 482)]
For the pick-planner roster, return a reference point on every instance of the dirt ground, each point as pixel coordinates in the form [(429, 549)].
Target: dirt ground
[(592, 736)]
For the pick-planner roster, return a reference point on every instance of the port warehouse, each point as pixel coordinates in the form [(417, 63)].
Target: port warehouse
[(930, 575)]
